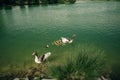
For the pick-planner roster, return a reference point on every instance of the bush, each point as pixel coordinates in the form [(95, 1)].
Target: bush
[(85, 65)]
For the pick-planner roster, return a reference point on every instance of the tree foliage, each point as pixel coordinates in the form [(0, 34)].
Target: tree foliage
[(31, 2)]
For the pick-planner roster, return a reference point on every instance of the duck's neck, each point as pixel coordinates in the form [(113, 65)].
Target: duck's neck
[(70, 41), (36, 56), (37, 59)]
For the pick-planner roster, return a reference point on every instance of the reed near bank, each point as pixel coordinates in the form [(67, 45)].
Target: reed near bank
[(86, 64)]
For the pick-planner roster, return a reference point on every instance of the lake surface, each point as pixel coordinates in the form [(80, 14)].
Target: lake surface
[(29, 28)]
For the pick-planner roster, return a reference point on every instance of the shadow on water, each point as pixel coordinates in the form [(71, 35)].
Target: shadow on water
[(6, 7), (24, 6), (2, 25), (1, 8), (33, 5)]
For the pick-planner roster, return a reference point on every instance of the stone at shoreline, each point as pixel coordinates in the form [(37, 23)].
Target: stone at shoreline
[(103, 78), (49, 79), (35, 78), (21, 79)]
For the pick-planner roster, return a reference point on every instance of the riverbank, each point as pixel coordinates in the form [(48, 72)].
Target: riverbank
[(90, 62), (28, 74), (44, 2), (34, 2)]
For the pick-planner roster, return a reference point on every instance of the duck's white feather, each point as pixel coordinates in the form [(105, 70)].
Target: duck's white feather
[(64, 40), (70, 41), (37, 60), (42, 58), (47, 55)]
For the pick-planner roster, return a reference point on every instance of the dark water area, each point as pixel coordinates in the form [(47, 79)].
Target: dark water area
[(28, 28)]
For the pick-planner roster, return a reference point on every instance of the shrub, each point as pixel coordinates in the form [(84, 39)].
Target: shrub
[(85, 65)]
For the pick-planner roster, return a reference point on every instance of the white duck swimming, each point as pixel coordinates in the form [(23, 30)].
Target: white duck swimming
[(41, 58), (68, 40), (64, 40)]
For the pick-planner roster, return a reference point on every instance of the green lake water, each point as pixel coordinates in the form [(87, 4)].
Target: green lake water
[(29, 28)]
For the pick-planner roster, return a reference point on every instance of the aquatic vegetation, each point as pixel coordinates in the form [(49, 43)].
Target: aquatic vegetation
[(86, 64)]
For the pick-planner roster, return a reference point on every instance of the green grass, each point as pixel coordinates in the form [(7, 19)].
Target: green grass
[(81, 63), (69, 62)]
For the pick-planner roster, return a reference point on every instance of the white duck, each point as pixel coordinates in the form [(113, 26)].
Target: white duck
[(63, 40), (41, 58), (68, 40)]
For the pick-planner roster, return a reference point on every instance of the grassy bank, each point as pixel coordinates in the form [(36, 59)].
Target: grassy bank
[(81, 63), (77, 62)]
